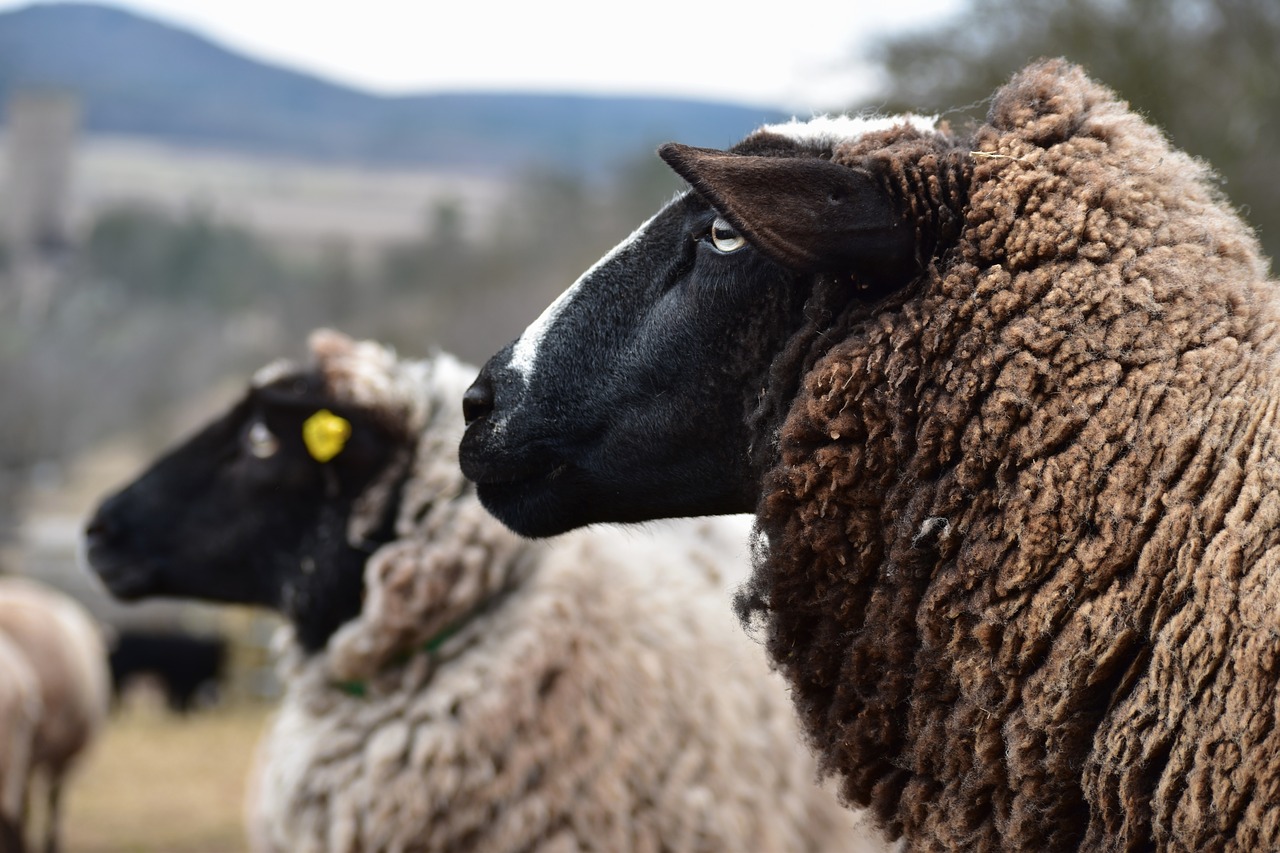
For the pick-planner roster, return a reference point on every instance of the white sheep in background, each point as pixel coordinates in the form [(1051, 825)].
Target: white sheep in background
[(489, 693), (64, 649), (19, 715)]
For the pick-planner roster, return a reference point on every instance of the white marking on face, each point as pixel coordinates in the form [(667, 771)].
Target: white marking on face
[(829, 130), (824, 130), (524, 354), (273, 372)]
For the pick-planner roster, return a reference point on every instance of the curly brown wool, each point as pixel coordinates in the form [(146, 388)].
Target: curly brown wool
[(931, 174), (1023, 537)]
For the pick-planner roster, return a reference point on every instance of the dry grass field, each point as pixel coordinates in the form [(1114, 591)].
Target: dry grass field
[(160, 783), (290, 201)]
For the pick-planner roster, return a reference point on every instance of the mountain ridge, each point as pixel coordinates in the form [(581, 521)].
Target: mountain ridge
[(138, 76)]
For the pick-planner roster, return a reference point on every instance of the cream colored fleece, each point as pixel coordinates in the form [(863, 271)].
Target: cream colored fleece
[(19, 715)]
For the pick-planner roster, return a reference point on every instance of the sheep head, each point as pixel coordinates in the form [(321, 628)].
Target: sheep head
[(639, 394), (257, 507)]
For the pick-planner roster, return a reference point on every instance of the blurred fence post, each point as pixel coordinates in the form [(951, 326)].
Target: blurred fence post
[(42, 129)]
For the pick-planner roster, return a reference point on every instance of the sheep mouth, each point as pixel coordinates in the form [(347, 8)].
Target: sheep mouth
[(535, 485), (125, 579), (518, 480), (534, 505), (496, 467)]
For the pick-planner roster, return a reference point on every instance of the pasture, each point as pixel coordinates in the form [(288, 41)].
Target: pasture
[(160, 783)]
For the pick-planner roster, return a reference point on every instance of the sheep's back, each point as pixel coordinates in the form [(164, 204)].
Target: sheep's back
[(19, 716), (65, 649)]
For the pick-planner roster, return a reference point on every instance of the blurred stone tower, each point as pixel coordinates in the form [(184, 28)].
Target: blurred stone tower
[(41, 129)]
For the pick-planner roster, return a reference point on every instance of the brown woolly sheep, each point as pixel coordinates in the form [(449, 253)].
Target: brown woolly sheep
[(64, 649), (1006, 407), (19, 715), (450, 686)]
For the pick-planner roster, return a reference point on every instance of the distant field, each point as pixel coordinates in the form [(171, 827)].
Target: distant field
[(293, 201), (159, 783)]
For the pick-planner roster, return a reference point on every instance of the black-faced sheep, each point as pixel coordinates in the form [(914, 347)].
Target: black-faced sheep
[(64, 650), (489, 693), (19, 716), (1006, 407)]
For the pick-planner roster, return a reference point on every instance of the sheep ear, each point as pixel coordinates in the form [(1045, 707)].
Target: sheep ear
[(805, 213)]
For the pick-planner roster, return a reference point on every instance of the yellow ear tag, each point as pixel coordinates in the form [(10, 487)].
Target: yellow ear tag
[(325, 434)]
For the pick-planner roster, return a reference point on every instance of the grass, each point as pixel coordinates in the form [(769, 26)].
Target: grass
[(159, 782)]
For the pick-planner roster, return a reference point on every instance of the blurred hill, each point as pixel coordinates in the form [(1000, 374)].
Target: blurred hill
[(139, 77)]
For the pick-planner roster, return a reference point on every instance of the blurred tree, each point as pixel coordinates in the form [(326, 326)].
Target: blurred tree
[(439, 259), (446, 229), (153, 254), (338, 286), (484, 290), (640, 188), (473, 294), (93, 365), (1206, 71), (149, 314)]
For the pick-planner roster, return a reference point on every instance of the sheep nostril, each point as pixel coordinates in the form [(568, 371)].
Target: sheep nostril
[(478, 401)]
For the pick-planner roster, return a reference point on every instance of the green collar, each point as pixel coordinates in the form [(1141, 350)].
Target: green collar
[(360, 689)]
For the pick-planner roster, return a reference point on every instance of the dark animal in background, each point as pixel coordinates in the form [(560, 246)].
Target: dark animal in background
[(1007, 406), (188, 667)]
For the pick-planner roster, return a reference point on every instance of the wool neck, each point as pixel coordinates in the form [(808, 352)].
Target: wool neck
[(449, 560), (929, 175)]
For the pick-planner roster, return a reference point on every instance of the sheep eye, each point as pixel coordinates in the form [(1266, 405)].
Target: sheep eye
[(262, 443), (725, 238)]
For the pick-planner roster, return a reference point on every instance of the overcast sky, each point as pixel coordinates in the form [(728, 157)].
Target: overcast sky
[(794, 55)]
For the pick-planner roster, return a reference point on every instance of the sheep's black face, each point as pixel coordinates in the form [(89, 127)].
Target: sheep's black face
[(650, 342), (245, 512), (631, 397)]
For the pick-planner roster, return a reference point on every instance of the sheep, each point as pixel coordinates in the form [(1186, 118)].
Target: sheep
[(485, 692), (63, 647), (187, 667), (19, 715), (1004, 403)]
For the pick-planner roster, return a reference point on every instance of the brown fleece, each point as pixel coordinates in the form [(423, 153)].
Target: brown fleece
[(1023, 563)]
